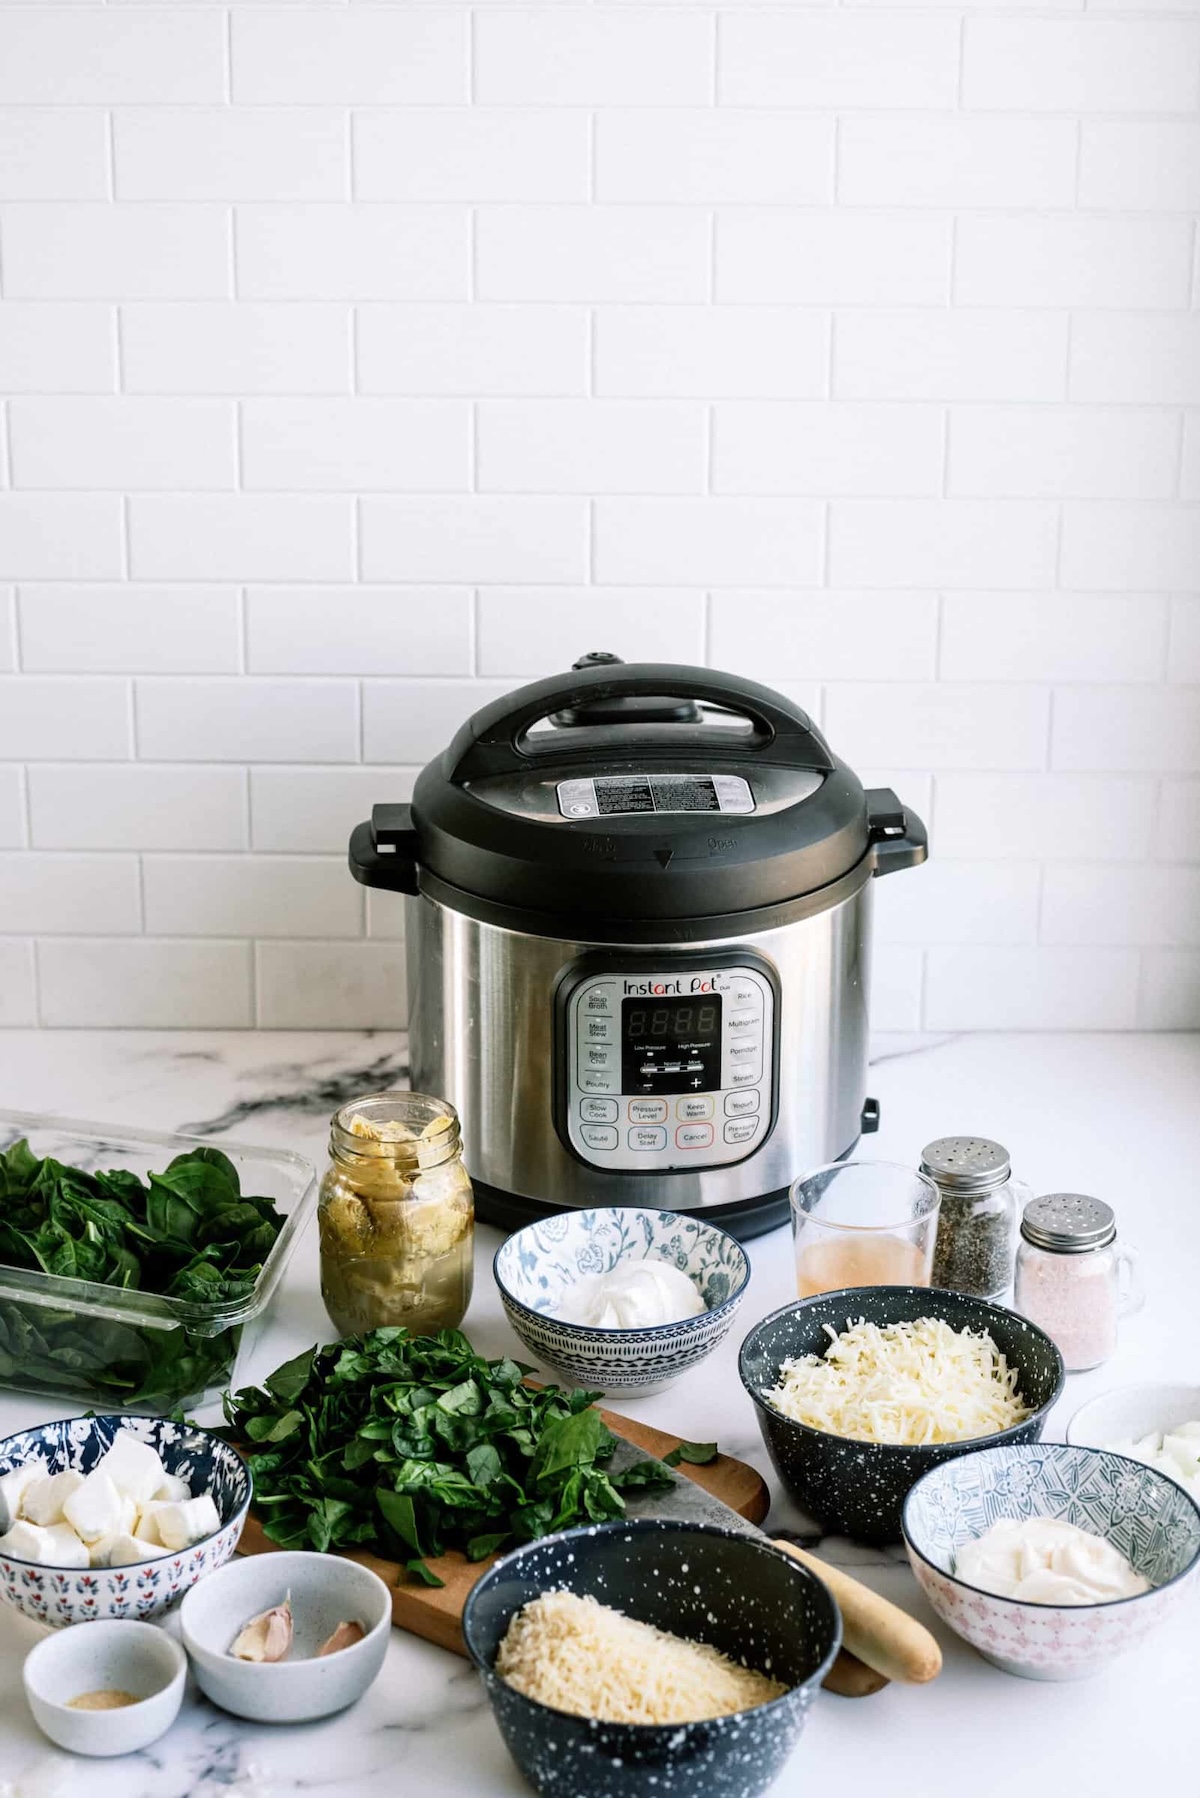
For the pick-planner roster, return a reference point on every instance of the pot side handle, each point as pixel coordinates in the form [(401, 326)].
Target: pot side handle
[(898, 837), (383, 850)]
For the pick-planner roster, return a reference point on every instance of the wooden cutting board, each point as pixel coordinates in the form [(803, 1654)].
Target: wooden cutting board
[(435, 1612)]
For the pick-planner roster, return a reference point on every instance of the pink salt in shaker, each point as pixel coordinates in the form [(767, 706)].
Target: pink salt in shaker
[(1072, 1277)]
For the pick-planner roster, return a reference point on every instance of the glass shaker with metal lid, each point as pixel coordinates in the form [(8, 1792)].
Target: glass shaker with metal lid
[(1073, 1278), (977, 1219)]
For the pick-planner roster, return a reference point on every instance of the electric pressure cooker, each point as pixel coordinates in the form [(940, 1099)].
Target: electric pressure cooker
[(637, 906)]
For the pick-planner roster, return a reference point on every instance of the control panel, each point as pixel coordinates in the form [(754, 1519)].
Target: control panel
[(669, 1069)]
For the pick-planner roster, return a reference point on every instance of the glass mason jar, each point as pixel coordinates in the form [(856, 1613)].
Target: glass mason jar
[(977, 1220), (1073, 1278), (397, 1216)]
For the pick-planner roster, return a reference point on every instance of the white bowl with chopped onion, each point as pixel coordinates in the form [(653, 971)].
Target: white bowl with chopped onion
[(860, 1392)]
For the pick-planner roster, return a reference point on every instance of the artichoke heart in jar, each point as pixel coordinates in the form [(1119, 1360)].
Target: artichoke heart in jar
[(397, 1216)]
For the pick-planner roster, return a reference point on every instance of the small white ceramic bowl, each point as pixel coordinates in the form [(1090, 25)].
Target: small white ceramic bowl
[(145, 1589), (1148, 1517), (325, 1590), (123, 1656), (539, 1264), (1132, 1411)]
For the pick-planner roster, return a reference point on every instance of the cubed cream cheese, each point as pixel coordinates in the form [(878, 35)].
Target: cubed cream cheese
[(132, 1466), (52, 1545), (124, 1550), (96, 1508), (13, 1487), (181, 1524), (171, 1489), (43, 1500)]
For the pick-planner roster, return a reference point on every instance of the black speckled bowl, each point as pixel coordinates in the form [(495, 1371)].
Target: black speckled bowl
[(734, 1591), (858, 1488)]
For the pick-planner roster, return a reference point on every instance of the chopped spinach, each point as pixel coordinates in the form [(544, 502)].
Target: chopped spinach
[(187, 1233), (410, 1445), (696, 1454)]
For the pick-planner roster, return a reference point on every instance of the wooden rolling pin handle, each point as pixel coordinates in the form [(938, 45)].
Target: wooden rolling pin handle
[(876, 1631), (851, 1678)]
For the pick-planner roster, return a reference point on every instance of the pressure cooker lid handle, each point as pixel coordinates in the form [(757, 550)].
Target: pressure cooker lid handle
[(497, 740)]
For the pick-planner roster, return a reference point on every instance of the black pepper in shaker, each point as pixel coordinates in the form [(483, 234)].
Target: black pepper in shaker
[(977, 1219)]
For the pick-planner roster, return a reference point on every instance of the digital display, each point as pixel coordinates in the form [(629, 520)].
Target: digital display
[(671, 1045)]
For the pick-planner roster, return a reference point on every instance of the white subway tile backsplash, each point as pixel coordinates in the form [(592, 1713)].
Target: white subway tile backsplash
[(250, 895), (331, 986), (241, 537), (1081, 64), (1127, 730), (1170, 996), (102, 252), (718, 542), (12, 807), (961, 902), (825, 636), (1183, 654), (121, 443), (1065, 451), (129, 630), (75, 56), (833, 258), (951, 543), (1082, 260), (1137, 547), (956, 160), (50, 348), (920, 354), (1031, 989), (8, 631), (48, 894), (325, 445), (471, 154), (358, 630), (592, 253), (1085, 903), (897, 974), (591, 446), (1053, 637), (230, 153), (235, 348), (767, 352), (412, 721), (52, 153), (1052, 817), (1140, 164), (833, 60), (182, 720), (137, 807), (717, 156), (385, 916), (313, 810), (523, 632), (942, 726), (1137, 356), (472, 349), (473, 539), (18, 987), (351, 252), (142, 983), (826, 447), (61, 536), (356, 56), (593, 56), (1177, 834)]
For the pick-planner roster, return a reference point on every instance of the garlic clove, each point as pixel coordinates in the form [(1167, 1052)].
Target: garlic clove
[(266, 1637), (344, 1636)]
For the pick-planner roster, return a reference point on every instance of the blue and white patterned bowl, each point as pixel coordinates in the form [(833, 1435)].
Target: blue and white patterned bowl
[(145, 1589), (1147, 1516), (538, 1264)]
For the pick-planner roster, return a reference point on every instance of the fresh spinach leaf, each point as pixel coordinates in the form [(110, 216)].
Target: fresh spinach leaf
[(696, 1454)]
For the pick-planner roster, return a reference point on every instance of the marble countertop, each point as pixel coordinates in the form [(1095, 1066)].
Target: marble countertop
[(1114, 1115)]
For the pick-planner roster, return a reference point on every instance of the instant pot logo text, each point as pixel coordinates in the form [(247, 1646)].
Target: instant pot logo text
[(650, 989)]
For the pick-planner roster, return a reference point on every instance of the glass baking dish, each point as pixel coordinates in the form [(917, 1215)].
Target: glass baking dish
[(123, 1349)]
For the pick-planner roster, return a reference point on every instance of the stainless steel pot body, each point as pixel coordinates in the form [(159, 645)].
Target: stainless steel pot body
[(481, 1033)]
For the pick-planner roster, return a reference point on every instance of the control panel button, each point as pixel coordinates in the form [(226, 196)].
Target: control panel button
[(599, 1055), (741, 1105), (593, 1080), (745, 1076), (743, 1048), (741, 1129), (647, 1111), (599, 1136), (745, 1020), (600, 1001), (742, 993), (692, 1109), (599, 1111), (693, 1136), (647, 1136), (597, 1030)]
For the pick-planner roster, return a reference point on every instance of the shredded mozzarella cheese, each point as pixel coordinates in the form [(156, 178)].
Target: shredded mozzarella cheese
[(907, 1383), (577, 1655)]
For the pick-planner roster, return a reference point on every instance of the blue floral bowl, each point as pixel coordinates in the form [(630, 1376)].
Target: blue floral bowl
[(145, 1589), (1147, 1516), (539, 1264)]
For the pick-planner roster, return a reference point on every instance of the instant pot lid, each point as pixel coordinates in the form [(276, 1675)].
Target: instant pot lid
[(635, 792)]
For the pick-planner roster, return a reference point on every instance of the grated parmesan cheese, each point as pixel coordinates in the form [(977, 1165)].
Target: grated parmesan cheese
[(577, 1655), (908, 1383)]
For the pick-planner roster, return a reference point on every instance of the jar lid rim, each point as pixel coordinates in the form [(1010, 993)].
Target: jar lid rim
[(966, 1163), (1068, 1222)]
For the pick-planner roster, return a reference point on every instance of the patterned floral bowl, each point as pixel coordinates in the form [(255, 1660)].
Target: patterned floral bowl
[(538, 1264), (145, 1589), (1148, 1517)]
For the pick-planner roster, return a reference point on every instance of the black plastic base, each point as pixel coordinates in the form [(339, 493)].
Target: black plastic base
[(749, 1217)]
